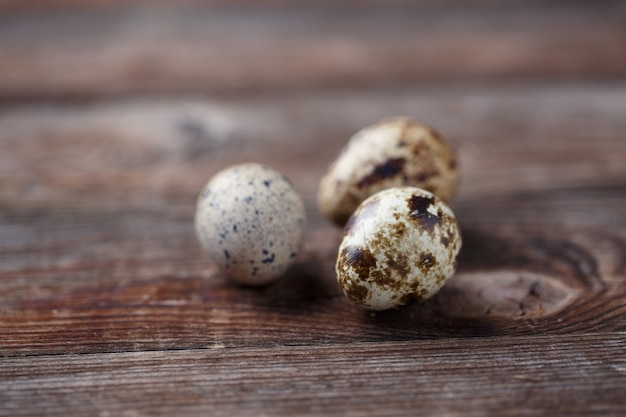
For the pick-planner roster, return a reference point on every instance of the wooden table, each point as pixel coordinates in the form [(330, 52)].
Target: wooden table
[(113, 114)]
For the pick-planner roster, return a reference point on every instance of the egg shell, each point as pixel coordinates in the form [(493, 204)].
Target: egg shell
[(394, 152), (400, 245), (252, 222)]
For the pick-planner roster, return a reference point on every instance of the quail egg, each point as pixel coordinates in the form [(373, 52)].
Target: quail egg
[(400, 245), (252, 223), (394, 152)]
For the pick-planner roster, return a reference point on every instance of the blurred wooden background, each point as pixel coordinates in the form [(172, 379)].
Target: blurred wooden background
[(114, 113)]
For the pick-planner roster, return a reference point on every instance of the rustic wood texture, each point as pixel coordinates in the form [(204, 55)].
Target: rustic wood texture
[(109, 307), (433, 377), (211, 49)]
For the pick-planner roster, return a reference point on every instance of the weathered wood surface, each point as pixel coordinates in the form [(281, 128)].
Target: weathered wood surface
[(98, 183), (212, 49), (468, 377)]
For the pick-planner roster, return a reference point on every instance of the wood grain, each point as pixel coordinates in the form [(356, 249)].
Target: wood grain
[(112, 116), (547, 260), (517, 376), (30, 6), (195, 49), (145, 151), (137, 288)]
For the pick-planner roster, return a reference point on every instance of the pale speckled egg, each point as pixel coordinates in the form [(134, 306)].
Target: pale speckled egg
[(252, 223), (394, 152), (400, 245)]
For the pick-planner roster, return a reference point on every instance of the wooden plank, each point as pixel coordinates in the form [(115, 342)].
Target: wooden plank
[(30, 6), (449, 377), (509, 137), (208, 49), (138, 298)]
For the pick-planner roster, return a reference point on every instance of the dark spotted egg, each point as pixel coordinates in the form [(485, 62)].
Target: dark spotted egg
[(400, 245), (252, 222), (391, 153)]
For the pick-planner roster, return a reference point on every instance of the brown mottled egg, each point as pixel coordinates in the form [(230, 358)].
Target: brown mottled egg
[(400, 245), (391, 153), (252, 222)]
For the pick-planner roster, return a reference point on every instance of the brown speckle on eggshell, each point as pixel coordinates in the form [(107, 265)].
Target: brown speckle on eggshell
[(400, 245), (394, 152)]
